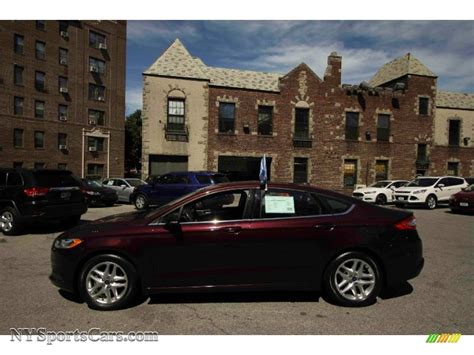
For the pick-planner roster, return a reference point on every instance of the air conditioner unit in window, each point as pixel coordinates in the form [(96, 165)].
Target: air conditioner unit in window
[(92, 122), (102, 46), (63, 90), (62, 147), (62, 117), (100, 98), (63, 61), (64, 34), (92, 149), (94, 69)]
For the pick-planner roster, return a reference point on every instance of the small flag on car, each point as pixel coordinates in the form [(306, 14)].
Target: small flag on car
[(263, 173)]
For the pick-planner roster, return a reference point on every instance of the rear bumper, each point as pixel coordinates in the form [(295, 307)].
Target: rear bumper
[(32, 213)]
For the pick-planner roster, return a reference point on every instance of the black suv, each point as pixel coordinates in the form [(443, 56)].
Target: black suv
[(28, 196)]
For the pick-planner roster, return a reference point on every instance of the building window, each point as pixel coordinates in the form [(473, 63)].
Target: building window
[(63, 56), (40, 50), (41, 25), (421, 152), (95, 144), (40, 80), (62, 140), (97, 40), (350, 172), (96, 117), (300, 170), (423, 104), (39, 139), (39, 166), (62, 166), (453, 168), (96, 92), (62, 112), (96, 65), (95, 169), (62, 83), (63, 28), (17, 164), (18, 75), (39, 109), (454, 132), (18, 44), (383, 128), (352, 125), (18, 105), (175, 115), (226, 117), (18, 138), (265, 117), (381, 170), (301, 123)]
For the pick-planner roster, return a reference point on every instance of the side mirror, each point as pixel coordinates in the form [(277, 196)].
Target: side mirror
[(123, 186), (173, 226), (440, 185)]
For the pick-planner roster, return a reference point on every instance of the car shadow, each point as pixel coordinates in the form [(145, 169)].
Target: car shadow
[(235, 297), (396, 291)]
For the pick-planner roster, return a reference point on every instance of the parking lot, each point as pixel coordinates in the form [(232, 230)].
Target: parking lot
[(439, 300)]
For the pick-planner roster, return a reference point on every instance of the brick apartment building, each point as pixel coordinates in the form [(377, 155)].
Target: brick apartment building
[(312, 129), (62, 95)]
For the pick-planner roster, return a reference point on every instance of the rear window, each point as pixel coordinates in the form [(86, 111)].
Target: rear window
[(14, 179), (218, 179), (55, 179)]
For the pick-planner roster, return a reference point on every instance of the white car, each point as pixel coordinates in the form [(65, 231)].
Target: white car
[(429, 190), (380, 192)]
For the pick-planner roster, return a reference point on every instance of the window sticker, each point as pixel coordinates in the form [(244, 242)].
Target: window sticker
[(279, 204)]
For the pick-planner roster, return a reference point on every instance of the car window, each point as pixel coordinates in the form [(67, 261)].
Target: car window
[(380, 184), (165, 179), (3, 178), (335, 205), (456, 181), (224, 206), (219, 178), (14, 179), (135, 182), (118, 182), (180, 179), (110, 182), (400, 183), (57, 178), (444, 181), (422, 182), (289, 203), (204, 179)]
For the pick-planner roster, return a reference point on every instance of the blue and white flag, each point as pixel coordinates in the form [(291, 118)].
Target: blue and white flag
[(263, 172)]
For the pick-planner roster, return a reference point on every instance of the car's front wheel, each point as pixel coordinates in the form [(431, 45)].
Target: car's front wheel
[(141, 202), (381, 199), (353, 279), (431, 202), (108, 282)]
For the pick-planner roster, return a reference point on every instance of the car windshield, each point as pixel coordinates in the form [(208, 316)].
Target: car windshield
[(380, 184), (92, 183), (135, 182), (425, 182)]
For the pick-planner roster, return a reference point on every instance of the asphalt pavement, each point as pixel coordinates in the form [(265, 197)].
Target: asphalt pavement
[(440, 300)]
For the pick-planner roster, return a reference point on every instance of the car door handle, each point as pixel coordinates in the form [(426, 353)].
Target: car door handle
[(231, 230), (325, 227)]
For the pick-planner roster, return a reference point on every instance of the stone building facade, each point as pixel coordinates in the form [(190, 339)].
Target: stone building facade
[(312, 129), (62, 95)]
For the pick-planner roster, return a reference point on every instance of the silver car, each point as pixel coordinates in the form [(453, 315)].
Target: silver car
[(123, 187)]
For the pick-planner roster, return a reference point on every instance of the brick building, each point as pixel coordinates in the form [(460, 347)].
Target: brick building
[(62, 95), (312, 129)]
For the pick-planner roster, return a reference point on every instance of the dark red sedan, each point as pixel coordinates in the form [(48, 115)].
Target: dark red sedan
[(463, 201), (235, 236)]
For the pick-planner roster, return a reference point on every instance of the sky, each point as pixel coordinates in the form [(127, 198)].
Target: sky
[(445, 47)]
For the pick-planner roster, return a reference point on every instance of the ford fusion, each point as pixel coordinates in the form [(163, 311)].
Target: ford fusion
[(236, 236)]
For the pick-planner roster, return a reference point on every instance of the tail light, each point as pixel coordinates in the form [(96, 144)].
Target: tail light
[(406, 224), (36, 191)]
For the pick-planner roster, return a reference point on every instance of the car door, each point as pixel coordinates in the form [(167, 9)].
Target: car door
[(456, 185), (159, 193), (121, 186), (203, 248), (443, 193)]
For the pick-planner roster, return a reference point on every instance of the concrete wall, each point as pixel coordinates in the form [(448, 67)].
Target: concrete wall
[(156, 91), (442, 117)]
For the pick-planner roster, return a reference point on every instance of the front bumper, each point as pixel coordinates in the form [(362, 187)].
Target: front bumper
[(64, 264), (409, 198)]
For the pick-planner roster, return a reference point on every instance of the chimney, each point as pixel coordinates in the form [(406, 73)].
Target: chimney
[(333, 71)]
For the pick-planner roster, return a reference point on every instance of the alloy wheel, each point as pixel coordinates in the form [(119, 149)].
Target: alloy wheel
[(431, 202), (6, 221), (140, 202), (107, 283), (355, 279)]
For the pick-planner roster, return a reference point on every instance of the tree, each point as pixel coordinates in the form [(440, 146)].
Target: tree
[(133, 141)]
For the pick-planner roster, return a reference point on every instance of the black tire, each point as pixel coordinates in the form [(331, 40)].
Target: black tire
[(129, 293), (431, 202), (9, 224), (331, 276), (381, 199), (400, 205), (138, 205)]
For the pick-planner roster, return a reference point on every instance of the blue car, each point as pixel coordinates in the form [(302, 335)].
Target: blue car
[(168, 187)]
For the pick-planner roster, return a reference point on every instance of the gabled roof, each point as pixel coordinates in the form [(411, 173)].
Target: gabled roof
[(455, 100), (399, 67)]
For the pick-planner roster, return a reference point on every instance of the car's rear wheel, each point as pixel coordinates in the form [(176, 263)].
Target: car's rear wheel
[(108, 282), (353, 279), (141, 202), (431, 202), (381, 199), (9, 221)]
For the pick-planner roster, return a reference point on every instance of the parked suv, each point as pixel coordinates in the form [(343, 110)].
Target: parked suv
[(28, 196), (169, 187), (429, 190)]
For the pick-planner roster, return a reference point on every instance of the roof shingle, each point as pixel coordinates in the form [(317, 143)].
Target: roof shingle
[(455, 100)]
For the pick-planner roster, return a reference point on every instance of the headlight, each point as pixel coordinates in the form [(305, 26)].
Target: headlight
[(371, 192), (419, 191), (67, 243)]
